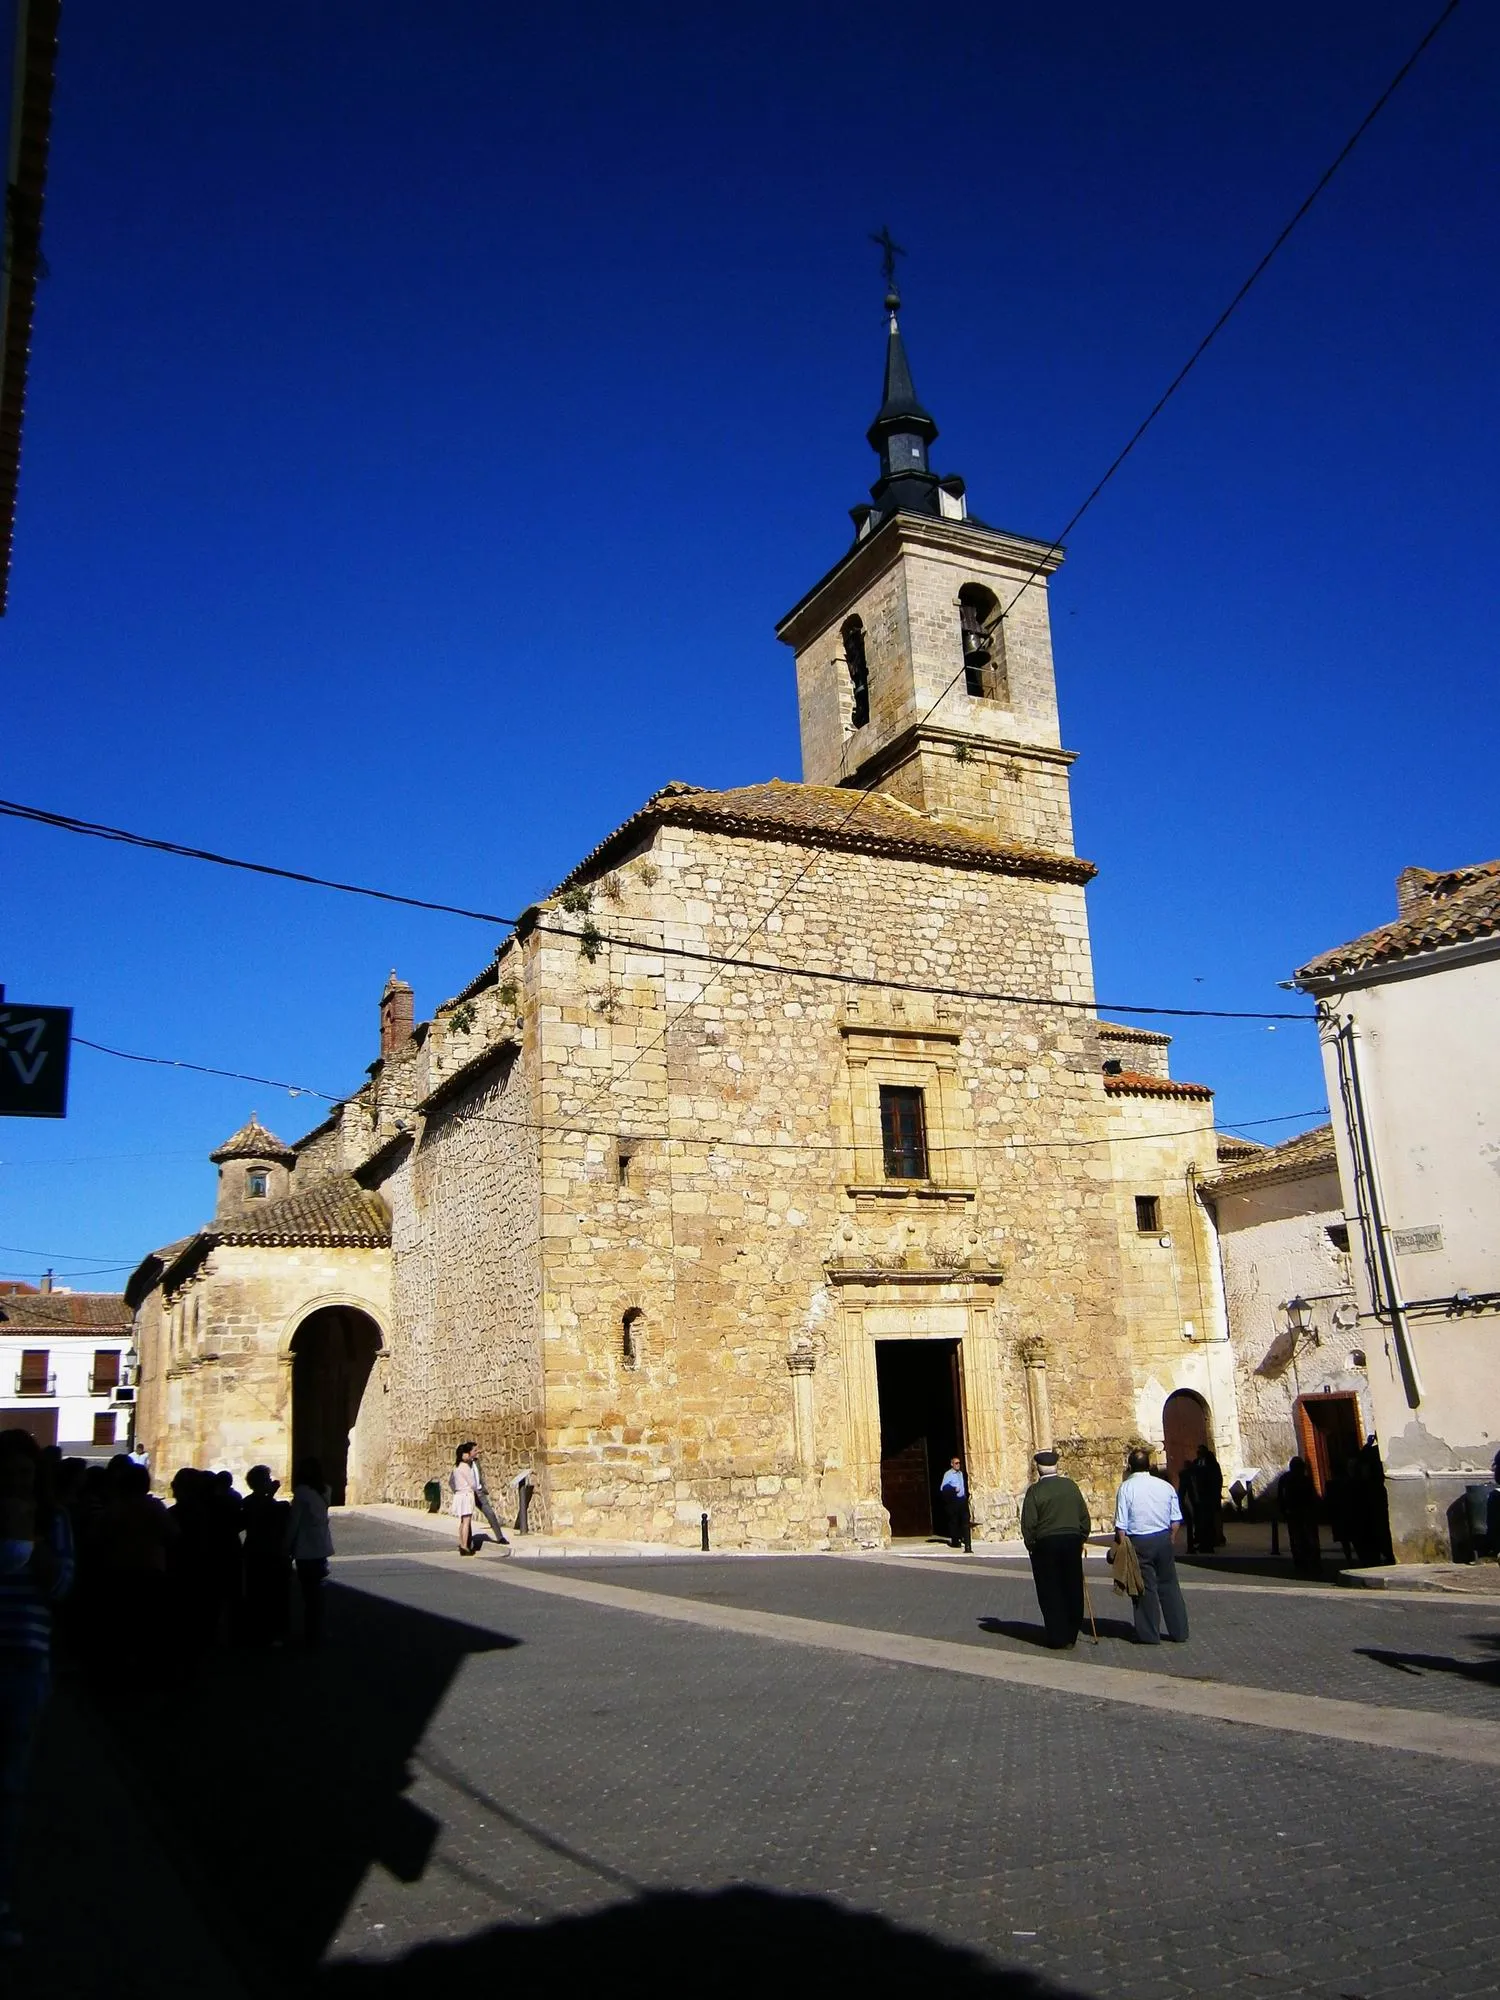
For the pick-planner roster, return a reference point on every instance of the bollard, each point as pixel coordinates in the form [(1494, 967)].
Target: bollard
[(524, 1490), (703, 1530)]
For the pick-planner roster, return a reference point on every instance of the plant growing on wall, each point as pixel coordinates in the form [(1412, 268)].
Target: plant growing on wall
[(590, 940), (575, 901), (461, 1019), (509, 995)]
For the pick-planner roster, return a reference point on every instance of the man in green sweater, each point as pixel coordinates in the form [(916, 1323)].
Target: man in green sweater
[(1054, 1526)]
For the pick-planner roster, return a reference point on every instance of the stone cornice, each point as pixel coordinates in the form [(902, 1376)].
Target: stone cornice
[(854, 572)]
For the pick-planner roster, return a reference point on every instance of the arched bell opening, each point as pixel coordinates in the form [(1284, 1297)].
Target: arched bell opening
[(333, 1354)]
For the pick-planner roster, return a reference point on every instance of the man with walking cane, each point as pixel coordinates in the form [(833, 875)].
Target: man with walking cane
[(1054, 1526)]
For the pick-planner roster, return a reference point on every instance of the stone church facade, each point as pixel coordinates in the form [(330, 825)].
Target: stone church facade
[(777, 1157)]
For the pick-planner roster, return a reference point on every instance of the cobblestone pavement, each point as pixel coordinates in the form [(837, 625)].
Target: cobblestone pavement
[(479, 1783), (1352, 1646)]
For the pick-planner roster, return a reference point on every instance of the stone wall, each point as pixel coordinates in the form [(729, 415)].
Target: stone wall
[(1274, 1244), (745, 1186), (1172, 1295), (464, 1359), (216, 1366)]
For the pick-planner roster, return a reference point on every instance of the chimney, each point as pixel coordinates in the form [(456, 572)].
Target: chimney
[(46, 1281), (1413, 886), (397, 1012)]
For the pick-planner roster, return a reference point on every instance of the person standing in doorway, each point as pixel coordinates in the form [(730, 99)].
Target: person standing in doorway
[(1208, 1498), (1147, 1511), (1297, 1497), (309, 1544), (482, 1498), (464, 1484), (953, 1497), (1054, 1526)]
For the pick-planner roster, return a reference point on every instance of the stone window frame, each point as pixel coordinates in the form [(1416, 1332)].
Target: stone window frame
[(917, 1058), (257, 1183)]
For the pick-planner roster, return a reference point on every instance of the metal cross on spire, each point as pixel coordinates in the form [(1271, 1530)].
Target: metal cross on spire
[(892, 250)]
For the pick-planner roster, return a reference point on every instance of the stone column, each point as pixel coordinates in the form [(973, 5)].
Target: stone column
[(801, 1362), (1034, 1358)]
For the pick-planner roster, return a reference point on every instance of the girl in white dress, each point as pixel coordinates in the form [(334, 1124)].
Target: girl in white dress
[(462, 1481)]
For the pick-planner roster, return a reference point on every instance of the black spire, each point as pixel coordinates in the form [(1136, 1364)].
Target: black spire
[(903, 430)]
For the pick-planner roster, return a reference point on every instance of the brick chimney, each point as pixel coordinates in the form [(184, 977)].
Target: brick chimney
[(397, 1013), (1413, 885)]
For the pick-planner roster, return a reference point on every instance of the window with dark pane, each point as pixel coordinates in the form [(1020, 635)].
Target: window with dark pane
[(1148, 1214), (903, 1131), (257, 1184), (859, 673)]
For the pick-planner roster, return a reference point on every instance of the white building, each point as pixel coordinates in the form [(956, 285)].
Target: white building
[(67, 1368), (1411, 1049), (1294, 1326)]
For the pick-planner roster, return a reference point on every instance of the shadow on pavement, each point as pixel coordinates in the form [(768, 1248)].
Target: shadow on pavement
[(1485, 1672), (274, 1780), (738, 1940), (1033, 1635)]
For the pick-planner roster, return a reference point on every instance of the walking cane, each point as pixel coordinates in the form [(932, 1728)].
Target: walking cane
[(1088, 1604)]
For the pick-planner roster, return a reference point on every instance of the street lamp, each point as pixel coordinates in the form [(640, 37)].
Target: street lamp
[(1299, 1317)]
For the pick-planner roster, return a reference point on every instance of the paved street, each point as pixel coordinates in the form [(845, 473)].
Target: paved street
[(485, 1781)]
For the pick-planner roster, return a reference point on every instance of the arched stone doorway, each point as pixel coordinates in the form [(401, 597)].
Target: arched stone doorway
[(1185, 1424), (333, 1352)]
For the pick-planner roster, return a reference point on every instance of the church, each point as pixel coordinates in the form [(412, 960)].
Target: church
[(777, 1158)]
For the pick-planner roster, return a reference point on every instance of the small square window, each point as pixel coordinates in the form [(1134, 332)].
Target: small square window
[(1338, 1235), (1148, 1214), (257, 1184), (903, 1132)]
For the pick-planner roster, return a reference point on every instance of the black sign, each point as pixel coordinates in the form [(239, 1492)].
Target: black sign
[(34, 1047)]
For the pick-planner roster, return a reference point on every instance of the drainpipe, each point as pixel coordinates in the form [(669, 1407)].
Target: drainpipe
[(1346, 1044)]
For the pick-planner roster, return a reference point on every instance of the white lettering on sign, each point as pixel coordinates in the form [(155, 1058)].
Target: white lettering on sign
[(29, 1066), (1412, 1242)]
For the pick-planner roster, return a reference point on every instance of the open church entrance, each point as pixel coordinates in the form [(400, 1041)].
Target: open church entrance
[(921, 1426), (333, 1352)]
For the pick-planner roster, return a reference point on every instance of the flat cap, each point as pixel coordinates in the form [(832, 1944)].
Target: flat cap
[(1046, 1458)]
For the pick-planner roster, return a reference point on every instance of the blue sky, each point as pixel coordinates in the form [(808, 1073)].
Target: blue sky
[(432, 410)]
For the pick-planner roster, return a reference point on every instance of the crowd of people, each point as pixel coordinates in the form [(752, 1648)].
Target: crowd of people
[(93, 1562)]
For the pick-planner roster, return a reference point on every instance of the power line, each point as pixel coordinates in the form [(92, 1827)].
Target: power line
[(723, 959), (1100, 484), (97, 830), (661, 1138), (207, 1069), (66, 824)]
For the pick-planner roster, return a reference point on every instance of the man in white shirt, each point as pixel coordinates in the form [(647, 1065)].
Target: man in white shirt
[(1146, 1509), (953, 1495)]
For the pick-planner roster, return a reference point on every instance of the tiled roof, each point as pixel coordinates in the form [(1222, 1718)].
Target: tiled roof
[(1121, 1031), (1307, 1153), (252, 1142), (1132, 1083), (336, 1211), (1451, 908), (1232, 1147), (830, 816), (64, 1312)]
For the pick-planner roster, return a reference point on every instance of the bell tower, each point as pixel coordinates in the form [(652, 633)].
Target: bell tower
[(924, 656)]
